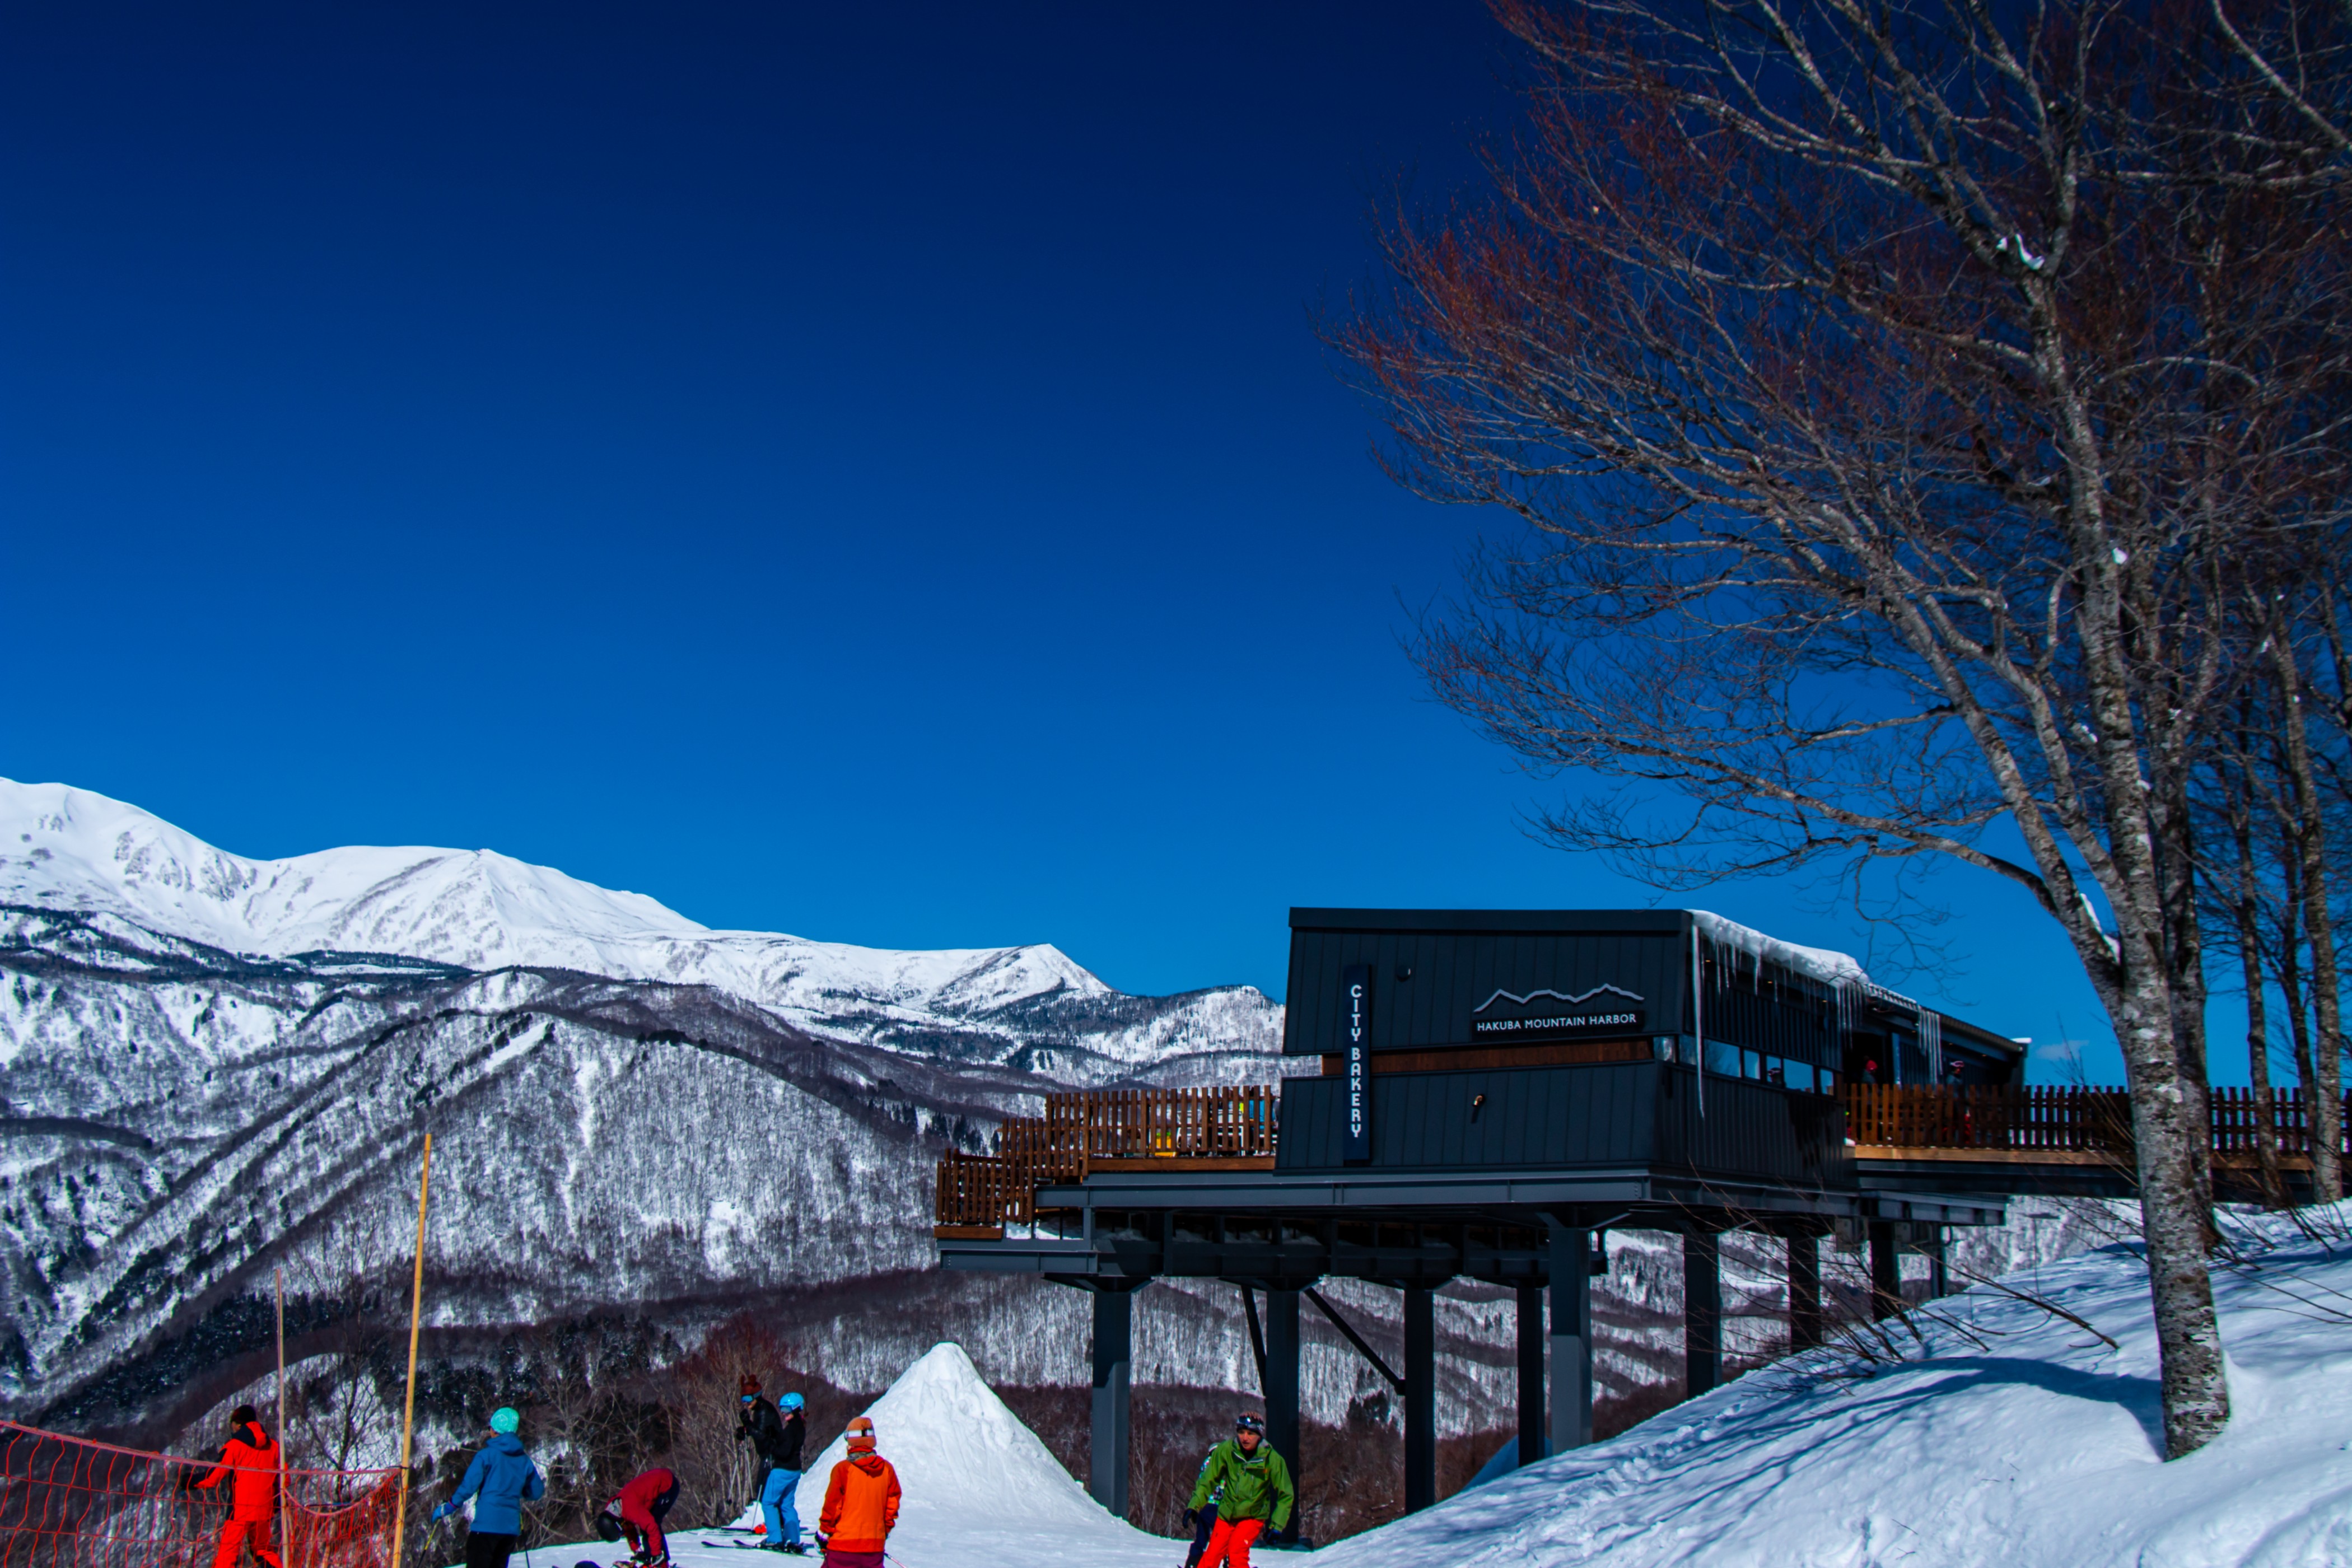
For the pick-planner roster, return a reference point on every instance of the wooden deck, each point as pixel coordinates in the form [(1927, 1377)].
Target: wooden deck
[(1981, 1138)]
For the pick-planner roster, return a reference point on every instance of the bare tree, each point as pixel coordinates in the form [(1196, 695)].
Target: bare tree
[(1864, 377)]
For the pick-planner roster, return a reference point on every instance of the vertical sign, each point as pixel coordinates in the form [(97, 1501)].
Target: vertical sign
[(1355, 1029)]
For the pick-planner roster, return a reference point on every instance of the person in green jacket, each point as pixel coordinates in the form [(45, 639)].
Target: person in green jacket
[(1254, 1494)]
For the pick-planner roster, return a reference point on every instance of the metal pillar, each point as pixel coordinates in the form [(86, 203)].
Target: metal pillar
[(1940, 1274), (1531, 1374), (1571, 1337), (1804, 1293), (1420, 1399), (1702, 1313), (1885, 1271), (1107, 1459), (1282, 1392)]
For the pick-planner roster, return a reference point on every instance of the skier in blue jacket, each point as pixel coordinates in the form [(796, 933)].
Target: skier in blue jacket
[(499, 1480)]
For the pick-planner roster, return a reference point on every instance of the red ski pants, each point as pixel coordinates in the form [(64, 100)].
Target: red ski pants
[(233, 1536), (1229, 1543)]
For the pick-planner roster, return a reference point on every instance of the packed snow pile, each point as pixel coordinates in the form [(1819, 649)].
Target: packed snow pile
[(962, 1455), (979, 1490), (2012, 1439)]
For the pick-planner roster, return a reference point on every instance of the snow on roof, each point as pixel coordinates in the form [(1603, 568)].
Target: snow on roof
[(1821, 963)]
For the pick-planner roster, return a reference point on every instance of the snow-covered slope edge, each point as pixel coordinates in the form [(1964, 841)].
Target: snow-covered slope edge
[(72, 850), (2015, 1441)]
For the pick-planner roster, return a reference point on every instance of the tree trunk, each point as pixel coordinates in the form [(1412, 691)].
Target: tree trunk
[(2189, 1334), (2258, 1042), (2184, 947), (2324, 1091)]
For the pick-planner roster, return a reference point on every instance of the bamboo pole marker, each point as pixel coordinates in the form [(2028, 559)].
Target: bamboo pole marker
[(416, 1309), (285, 1513)]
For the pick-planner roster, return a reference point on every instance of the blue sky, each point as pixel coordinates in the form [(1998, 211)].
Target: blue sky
[(862, 471)]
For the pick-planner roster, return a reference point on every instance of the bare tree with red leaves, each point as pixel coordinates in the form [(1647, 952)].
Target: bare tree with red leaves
[(1905, 404)]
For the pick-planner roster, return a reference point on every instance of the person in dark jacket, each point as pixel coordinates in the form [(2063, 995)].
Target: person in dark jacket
[(1203, 1519), (775, 1437), (638, 1513), (499, 1480), (252, 1466)]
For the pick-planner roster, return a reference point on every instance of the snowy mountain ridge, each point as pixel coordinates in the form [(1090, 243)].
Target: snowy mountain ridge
[(211, 1065), (71, 849)]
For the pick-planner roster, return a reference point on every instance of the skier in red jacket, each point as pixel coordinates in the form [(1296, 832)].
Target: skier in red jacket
[(251, 1464), (637, 1513)]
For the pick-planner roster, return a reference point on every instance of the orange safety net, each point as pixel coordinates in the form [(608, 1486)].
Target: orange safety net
[(67, 1503)]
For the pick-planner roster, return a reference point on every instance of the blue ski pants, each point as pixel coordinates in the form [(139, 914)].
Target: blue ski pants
[(779, 1510)]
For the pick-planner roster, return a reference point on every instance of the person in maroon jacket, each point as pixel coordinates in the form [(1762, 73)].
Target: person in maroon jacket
[(250, 1464), (637, 1513)]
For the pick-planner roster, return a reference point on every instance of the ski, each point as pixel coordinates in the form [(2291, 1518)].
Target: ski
[(747, 1546)]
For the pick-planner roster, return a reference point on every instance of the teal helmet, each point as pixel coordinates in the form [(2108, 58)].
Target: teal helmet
[(793, 1401), (504, 1420)]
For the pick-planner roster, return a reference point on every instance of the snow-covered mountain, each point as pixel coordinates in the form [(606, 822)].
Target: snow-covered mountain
[(210, 1065), (70, 849)]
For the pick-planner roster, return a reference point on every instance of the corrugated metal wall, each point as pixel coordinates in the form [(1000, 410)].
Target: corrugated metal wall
[(1636, 1113), (1454, 972), (1427, 984)]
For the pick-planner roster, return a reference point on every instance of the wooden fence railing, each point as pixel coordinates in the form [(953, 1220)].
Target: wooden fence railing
[(991, 1191), (1083, 1126), (2028, 1117)]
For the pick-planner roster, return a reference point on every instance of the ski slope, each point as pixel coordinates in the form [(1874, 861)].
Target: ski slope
[(2013, 1439), (2010, 1438)]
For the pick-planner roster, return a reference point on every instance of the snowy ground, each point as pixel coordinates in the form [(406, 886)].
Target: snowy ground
[(2014, 1439), (2011, 1438)]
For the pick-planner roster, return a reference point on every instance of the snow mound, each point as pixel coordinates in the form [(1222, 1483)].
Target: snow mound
[(962, 1455), (2013, 1440)]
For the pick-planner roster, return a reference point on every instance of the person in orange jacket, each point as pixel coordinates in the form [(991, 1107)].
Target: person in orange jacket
[(861, 1503), (250, 1463)]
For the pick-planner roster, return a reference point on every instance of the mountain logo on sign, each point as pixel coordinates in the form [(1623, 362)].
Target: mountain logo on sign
[(1555, 996)]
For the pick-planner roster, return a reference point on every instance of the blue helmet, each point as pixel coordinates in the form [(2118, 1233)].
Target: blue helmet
[(792, 1402), (504, 1420)]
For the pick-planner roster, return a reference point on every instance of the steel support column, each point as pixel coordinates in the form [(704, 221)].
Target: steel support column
[(1572, 1337), (1282, 1390), (1114, 1354), (1420, 1399), (1804, 1293), (1531, 1374), (1702, 1313), (1885, 1271)]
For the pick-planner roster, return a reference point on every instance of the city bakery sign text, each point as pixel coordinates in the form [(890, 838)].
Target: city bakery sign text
[(1546, 1014)]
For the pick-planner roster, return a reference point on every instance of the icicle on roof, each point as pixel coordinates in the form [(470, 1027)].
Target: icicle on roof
[(1821, 963)]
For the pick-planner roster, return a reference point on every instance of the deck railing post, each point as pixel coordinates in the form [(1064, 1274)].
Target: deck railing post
[(1570, 1267), (1420, 1398), (1282, 1390), (1106, 1461), (1885, 1271), (1533, 1438), (1804, 1293), (1702, 1313)]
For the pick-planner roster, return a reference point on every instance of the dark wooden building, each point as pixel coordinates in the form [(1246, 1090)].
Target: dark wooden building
[(1483, 1094)]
